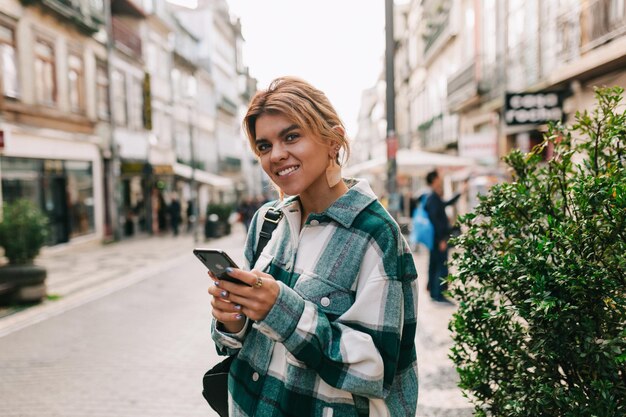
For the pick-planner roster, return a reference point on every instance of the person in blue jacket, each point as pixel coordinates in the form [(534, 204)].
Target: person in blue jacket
[(438, 261)]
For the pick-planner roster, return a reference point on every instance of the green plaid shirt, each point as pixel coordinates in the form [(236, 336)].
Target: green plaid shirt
[(340, 340)]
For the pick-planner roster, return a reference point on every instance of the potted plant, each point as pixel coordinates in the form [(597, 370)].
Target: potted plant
[(217, 220), (23, 231)]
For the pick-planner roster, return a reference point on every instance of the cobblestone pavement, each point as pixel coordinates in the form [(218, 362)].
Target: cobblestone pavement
[(128, 336)]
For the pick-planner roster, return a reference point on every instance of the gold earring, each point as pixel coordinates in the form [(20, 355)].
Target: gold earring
[(333, 173)]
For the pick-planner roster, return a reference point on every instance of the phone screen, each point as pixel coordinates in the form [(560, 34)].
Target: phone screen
[(217, 261)]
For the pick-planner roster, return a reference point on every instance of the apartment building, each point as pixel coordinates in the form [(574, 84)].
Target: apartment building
[(533, 58), (477, 78), (54, 112)]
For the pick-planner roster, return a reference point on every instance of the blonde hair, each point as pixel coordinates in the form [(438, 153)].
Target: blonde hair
[(303, 105)]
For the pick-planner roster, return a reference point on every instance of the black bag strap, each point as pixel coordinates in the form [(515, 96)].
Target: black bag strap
[(270, 222)]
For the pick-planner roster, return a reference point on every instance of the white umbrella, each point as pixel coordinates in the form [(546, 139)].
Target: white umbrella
[(411, 162)]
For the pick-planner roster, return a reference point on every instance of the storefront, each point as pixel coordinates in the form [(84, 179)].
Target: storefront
[(63, 190), (145, 190), (62, 173)]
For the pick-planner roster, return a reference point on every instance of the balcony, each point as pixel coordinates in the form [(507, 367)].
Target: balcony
[(586, 28), (463, 85), (73, 12), (602, 21), (491, 83), (439, 132), (228, 106), (434, 28), (126, 37)]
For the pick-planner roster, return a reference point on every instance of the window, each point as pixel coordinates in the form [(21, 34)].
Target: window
[(120, 114), (8, 61), (76, 82), (45, 83), (102, 91), (135, 104)]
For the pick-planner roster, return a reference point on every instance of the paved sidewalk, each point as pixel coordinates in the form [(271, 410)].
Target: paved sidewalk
[(84, 272)]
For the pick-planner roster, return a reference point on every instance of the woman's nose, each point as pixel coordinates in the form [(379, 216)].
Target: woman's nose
[(278, 153)]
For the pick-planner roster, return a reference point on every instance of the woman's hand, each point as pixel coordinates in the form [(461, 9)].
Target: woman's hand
[(231, 302)]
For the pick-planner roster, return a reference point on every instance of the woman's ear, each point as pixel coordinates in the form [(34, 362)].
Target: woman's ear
[(333, 151), (339, 130)]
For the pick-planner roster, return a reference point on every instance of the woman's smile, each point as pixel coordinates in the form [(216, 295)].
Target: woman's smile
[(284, 172)]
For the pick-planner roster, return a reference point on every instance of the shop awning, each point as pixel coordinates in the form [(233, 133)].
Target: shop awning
[(203, 177), (411, 162)]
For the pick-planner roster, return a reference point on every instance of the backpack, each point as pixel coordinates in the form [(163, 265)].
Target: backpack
[(423, 230)]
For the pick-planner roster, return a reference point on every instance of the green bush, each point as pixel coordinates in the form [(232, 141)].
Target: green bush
[(541, 277), (23, 231)]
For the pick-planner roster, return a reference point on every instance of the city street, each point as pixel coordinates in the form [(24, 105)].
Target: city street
[(129, 336)]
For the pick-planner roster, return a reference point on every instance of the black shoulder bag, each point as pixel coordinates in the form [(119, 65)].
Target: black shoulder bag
[(215, 381)]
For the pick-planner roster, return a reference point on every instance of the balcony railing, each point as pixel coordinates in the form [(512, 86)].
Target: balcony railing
[(71, 11), (602, 21), (590, 26), (463, 84), (439, 131), (435, 27), (126, 37)]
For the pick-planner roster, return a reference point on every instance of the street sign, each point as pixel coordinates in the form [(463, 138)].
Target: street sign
[(533, 108)]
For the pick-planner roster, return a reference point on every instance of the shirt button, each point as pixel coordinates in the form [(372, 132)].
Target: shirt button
[(325, 301), (314, 222), (255, 376)]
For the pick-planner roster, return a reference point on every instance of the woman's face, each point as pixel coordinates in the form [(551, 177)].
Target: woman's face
[(294, 159)]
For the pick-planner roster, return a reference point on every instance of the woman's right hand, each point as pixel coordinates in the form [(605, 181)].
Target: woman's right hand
[(227, 313)]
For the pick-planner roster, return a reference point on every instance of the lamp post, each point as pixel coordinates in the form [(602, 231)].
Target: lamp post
[(192, 180), (391, 139), (114, 166)]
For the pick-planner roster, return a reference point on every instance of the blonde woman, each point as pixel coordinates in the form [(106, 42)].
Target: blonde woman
[(326, 323)]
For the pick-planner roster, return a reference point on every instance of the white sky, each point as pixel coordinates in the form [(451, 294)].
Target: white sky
[(336, 45)]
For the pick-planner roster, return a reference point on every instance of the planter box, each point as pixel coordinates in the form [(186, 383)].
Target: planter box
[(22, 284)]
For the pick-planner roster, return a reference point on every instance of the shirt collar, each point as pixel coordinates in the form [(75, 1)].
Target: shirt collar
[(347, 207)]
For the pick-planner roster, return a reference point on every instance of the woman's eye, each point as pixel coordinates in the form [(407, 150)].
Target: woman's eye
[(291, 137), (262, 147)]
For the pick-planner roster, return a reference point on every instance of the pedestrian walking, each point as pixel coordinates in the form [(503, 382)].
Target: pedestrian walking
[(438, 262), (326, 323), (175, 215), (246, 209)]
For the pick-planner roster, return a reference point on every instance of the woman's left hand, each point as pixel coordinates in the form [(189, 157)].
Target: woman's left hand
[(257, 299)]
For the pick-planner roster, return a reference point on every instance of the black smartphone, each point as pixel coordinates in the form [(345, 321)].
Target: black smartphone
[(217, 261)]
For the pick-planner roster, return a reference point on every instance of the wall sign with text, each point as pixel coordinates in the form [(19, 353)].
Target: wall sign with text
[(533, 108)]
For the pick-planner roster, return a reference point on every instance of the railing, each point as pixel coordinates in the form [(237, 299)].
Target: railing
[(462, 79), (586, 28), (125, 37), (72, 11), (436, 26), (491, 82), (602, 21), (439, 131)]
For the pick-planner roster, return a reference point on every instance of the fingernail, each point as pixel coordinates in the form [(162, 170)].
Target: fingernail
[(229, 269), (224, 293), (239, 316), (217, 283), (237, 307)]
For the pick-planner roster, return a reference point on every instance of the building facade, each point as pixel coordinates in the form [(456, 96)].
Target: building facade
[(53, 114), (106, 114), (473, 76)]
